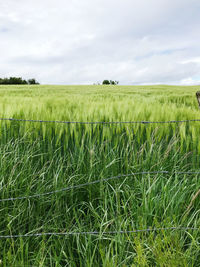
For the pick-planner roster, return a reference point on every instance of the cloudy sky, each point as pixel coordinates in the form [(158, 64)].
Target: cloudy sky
[(86, 41)]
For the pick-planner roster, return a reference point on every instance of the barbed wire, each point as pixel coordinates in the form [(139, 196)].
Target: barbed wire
[(98, 122), (94, 182), (100, 233)]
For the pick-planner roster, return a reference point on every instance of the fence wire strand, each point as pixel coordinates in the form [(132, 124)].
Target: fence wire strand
[(94, 182), (100, 233), (98, 122)]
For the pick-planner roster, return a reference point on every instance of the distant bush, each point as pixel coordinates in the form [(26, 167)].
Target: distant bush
[(107, 82), (17, 80), (32, 81)]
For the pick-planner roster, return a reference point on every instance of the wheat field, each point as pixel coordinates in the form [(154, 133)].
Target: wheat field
[(36, 158)]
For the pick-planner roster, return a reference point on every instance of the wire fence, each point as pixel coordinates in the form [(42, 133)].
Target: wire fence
[(96, 233), (99, 122), (101, 233), (95, 182)]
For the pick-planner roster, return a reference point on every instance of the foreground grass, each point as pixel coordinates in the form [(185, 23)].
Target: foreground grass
[(37, 158)]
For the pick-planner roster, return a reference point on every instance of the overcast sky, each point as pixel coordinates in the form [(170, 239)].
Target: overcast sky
[(86, 41)]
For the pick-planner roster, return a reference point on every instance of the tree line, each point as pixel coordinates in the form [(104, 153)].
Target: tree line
[(17, 80)]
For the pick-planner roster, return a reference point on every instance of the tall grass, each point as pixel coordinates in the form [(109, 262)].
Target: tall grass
[(36, 158)]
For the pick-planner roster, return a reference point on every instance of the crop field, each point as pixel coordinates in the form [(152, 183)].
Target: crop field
[(91, 220)]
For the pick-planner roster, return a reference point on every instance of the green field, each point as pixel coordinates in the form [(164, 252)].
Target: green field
[(36, 158)]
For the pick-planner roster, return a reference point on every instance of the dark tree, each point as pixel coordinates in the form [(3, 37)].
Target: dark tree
[(17, 80), (32, 81), (110, 82), (106, 82)]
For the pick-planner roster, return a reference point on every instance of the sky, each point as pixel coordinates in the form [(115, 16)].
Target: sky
[(86, 41)]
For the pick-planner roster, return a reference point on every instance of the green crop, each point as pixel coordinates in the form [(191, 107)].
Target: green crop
[(39, 157)]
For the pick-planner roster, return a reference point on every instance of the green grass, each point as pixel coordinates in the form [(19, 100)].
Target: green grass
[(36, 158)]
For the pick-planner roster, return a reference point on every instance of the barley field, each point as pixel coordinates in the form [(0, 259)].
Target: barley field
[(36, 158)]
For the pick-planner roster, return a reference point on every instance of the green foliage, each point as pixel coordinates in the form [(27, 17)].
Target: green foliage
[(32, 81), (13, 80), (36, 158), (111, 82), (16, 80), (106, 82)]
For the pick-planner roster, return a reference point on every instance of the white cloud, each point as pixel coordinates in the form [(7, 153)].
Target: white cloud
[(191, 60), (190, 81), (72, 42)]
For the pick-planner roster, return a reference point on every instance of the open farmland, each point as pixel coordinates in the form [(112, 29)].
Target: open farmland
[(36, 158)]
